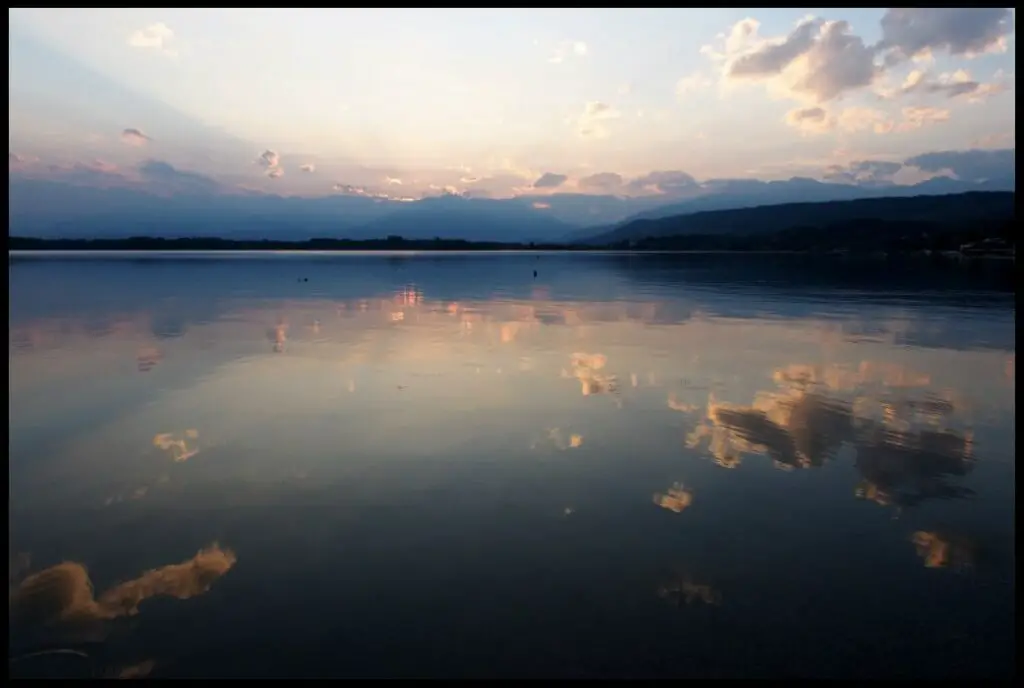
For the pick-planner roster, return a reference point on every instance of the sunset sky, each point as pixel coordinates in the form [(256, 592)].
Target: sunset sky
[(504, 102)]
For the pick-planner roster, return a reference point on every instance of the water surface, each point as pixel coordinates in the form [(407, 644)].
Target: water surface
[(401, 465)]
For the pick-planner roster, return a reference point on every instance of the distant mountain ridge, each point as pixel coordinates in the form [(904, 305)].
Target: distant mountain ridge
[(69, 209), (453, 217), (796, 190), (926, 211)]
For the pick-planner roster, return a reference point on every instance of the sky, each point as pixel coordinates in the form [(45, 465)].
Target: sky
[(490, 102)]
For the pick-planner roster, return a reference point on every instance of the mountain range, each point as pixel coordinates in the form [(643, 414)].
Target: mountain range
[(936, 214), (69, 209)]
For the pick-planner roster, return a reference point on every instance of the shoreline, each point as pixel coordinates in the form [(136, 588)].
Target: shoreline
[(879, 254)]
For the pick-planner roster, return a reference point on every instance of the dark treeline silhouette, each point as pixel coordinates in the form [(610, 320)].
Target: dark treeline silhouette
[(857, 236), (391, 243), (866, 236)]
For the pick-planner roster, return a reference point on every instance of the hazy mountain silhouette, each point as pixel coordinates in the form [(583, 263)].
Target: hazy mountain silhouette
[(735, 194), (51, 209), (929, 212), (455, 217), (195, 206)]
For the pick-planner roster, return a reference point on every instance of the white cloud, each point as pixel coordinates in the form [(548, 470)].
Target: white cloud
[(957, 84), (308, 167), (593, 122), (855, 119), (352, 190), (917, 117), (567, 49), (820, 61), (817, 120), (817, 61), (158, 36), (692, 84)]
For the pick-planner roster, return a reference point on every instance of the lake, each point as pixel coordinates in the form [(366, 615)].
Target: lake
[(511, 465)]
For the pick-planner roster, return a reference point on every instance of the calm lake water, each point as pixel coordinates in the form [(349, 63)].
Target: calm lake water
[(444, 465)]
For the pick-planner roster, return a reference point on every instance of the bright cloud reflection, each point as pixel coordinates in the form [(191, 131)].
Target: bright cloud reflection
[(413, 375)]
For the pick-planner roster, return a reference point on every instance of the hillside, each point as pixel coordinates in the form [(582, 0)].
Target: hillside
[(924, 213), (737, 194)]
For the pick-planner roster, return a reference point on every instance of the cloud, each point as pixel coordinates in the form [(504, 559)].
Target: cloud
[(134, 137), (606, 182), (268, 159), (958, 84), (515, 181), (435, 191), (969, 165), (394, 181), (852, 120), (349, 190), (818, 61), (353, 190), (550, 180), (308, 167), (917, 117), (567, 49), (156, 36), (996, 140), (810, 120), (908, 32), (271, 162), (864, 172), (691, 84), (817, 120), (664, 182), (592, 123), (772, 57)]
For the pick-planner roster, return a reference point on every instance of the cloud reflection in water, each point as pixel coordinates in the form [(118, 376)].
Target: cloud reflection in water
[(413, 437)]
